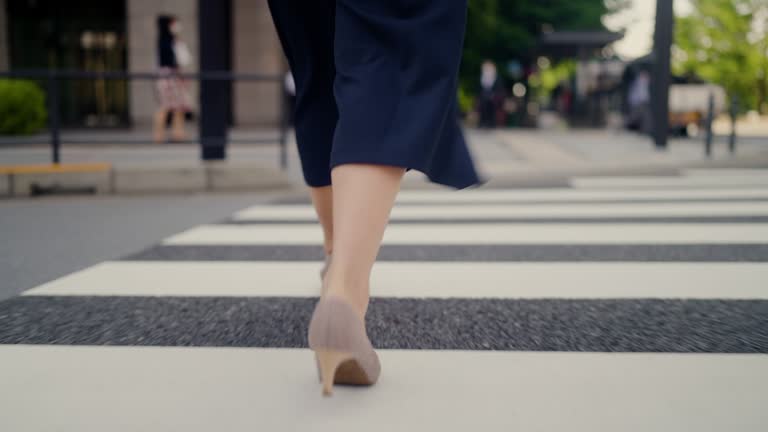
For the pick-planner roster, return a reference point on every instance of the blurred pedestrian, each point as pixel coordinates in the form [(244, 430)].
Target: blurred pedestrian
[(562, 97), (639, 100), (491, 97), (172, 91), (376, 84)]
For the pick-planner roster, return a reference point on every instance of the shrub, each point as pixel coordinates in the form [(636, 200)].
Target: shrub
[(22, 107), (466, 101)]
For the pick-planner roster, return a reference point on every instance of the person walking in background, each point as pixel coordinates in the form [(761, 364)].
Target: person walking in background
[(376, 84), (172, 92), (491, 95), (562, 96), (639, 99)]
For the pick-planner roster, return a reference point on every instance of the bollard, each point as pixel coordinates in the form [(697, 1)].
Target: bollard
[(214, 97), (53, 116), (732, 138), (710, 117), (283, 139)]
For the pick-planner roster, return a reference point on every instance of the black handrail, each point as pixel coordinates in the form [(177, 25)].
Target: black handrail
[(53, 76)]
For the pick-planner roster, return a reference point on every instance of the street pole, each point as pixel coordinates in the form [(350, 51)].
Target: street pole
[(733, 112), (661, 77), (710, 118), (54, 122), (213, 25)]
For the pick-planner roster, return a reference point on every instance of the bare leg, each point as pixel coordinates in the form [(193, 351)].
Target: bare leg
[(159, 125), (363, 196), (178, 125), (322, 198)]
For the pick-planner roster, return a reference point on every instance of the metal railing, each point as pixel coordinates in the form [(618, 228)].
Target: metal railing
[(53, 77), (709, 120)]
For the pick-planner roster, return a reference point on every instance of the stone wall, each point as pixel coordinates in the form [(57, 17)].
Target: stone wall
[(256, 49)]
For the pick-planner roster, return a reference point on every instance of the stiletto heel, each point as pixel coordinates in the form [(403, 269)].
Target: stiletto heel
[(343, 352), (329, 363)]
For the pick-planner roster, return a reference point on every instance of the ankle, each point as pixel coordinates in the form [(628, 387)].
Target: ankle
[(356, 296)]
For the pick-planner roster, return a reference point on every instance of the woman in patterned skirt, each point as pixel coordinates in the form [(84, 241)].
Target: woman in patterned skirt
[(172, 92)]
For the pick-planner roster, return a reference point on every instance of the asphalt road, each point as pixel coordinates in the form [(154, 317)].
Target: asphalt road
[(618, 303), (42, 239)]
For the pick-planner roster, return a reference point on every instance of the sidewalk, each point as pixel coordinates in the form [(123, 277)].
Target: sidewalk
[(525, 157), (514, 157)]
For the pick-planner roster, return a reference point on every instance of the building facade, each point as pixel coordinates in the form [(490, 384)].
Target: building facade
[(121, 35)]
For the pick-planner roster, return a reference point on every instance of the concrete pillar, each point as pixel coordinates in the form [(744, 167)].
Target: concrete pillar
[(214, 95), (256, 49), (5, 61), (660, 81), (141, 16)]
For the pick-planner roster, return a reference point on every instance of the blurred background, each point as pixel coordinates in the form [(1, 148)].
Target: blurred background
[(588, 63), (560, 64), (552, 66)]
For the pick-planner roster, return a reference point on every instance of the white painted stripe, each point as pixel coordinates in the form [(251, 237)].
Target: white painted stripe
[(669, 181), (606, 210), (568, 194), (487, 233), (725, 171), (86, 388), (421, 279)]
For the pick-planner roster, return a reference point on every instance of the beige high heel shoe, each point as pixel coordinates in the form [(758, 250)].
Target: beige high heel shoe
[(343, 351)]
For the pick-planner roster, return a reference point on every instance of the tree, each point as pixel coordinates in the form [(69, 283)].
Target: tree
[(502, 30), (726, 42)]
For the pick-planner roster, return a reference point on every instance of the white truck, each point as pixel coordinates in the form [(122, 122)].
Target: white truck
[(689, 104)]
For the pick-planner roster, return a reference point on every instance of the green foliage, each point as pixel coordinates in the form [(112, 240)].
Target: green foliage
[(502, 30), (466, 101), (22, 107), (546, 79), (726, 42)]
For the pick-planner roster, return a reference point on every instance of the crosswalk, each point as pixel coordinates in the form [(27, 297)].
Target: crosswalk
[(619, 303)]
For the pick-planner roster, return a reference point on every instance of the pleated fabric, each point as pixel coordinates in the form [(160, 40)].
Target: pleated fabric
[(376, 83)]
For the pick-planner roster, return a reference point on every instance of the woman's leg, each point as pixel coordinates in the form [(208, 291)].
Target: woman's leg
[(363, 196), (178, 125), (159, 125), (322, 199), (306, 33)]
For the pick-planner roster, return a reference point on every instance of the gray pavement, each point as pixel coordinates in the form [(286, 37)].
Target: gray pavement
[(595, 325), (43, 239)]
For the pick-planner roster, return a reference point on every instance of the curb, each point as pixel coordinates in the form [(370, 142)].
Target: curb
[(32, 180), (536, 177), (104, 179)]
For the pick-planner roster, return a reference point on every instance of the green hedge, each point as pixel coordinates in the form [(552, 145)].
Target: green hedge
[(22, 107)]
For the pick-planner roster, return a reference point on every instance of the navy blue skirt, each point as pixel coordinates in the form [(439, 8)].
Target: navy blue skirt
[(376, 83)]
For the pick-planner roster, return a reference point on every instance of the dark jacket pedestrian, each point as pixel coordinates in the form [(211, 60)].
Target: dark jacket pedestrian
[(491, 96)]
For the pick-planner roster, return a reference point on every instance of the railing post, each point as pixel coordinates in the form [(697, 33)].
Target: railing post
[(732, 138), (283, 128), (710, 118), (661, 76), (215, 101), (53, 116)]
